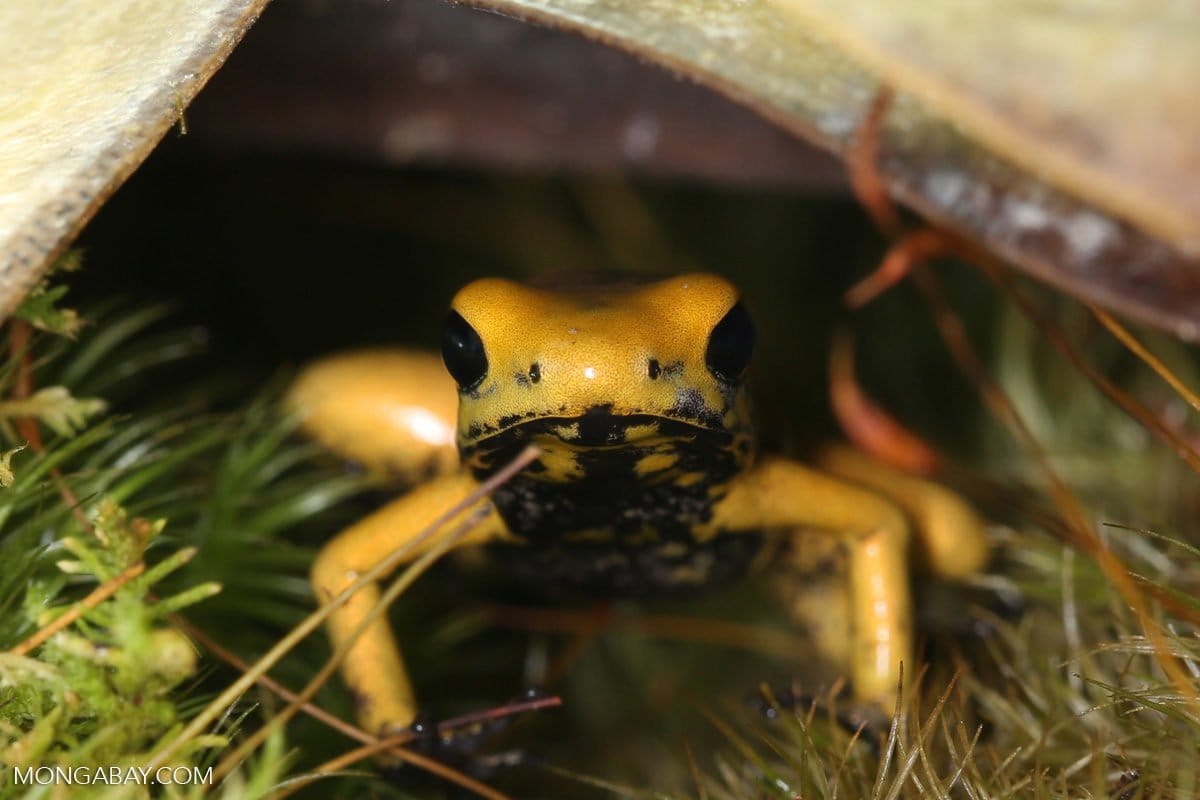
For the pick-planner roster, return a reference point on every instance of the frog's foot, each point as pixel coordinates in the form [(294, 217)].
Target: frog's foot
[(940, 611), (457, 751), (865, 718), (458, 743)]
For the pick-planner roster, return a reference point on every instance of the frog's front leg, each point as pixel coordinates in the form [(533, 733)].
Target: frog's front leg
[(778, 494), (950, 538), (373, 668), (392, 411)]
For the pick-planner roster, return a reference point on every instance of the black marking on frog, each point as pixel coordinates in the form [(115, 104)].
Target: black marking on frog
[(480, 391), (673, 370), (606, 569), (598, 426), (605, 527), (656, 369), (476, 430), (690, 405), (509, 420), (522, 379)]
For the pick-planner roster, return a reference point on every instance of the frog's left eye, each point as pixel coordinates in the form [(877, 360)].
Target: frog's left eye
[(730, 345), (462, 350)]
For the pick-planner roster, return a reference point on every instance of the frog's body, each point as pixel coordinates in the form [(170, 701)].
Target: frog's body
[(622, 518), (647, 478)]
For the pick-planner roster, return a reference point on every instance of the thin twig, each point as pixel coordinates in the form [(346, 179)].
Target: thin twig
[(694, 768), (231, 760), (19, 335), (909, 250), (1137, 348), (339, 763), (1130, 405), (380, 607), (338, 724), (311, 622), (953, 333), (862, 161), (506, 710), (269, 683), (923, 733), (392, 744), (866, 424), (95, 598)]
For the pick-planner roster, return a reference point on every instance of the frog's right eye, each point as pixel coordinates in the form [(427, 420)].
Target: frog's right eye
[(462, 350)]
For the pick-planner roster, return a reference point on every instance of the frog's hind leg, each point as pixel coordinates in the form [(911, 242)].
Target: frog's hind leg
[(391, 410), (949, 541)]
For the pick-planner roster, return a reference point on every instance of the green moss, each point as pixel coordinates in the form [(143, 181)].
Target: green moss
[(88, 508)]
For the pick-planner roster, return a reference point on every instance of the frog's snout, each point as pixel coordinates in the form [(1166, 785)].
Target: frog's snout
[(598, 426)]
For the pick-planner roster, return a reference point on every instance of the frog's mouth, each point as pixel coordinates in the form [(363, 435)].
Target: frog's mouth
[(599, 427), (621, 452)]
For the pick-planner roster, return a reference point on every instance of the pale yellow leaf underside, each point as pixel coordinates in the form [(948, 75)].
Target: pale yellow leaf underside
[(87, 88), (1061, 136)]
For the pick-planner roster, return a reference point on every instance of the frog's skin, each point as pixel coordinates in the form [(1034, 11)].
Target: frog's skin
[(648, 477)]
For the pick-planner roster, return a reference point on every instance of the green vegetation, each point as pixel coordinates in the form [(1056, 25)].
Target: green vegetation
[(1042, 681)]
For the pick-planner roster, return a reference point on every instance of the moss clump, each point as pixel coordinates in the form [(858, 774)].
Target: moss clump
[(97, 691)]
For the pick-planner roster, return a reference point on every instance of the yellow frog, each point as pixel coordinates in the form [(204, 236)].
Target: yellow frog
[(648, 477)]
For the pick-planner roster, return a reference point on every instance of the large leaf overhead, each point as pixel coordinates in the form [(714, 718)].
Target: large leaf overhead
[(1097, 96), (87, 88), (1061, 136), (1058, 135)]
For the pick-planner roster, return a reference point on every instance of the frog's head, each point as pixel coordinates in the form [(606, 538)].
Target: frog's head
[(601, 365)]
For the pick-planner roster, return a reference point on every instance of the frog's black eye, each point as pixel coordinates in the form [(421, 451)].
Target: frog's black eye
[(730, 345), (462, 350)]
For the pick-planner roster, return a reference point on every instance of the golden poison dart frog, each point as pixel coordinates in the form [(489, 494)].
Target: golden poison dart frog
[(648, 476)]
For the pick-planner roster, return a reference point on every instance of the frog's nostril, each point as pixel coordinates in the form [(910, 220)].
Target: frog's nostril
[(535, 372), (655, 369)]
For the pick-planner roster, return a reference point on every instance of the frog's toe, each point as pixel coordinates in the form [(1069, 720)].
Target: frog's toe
[(940, 609), (460, 743), (456, 749), (868, 717), (773, 702), (854, 715)]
